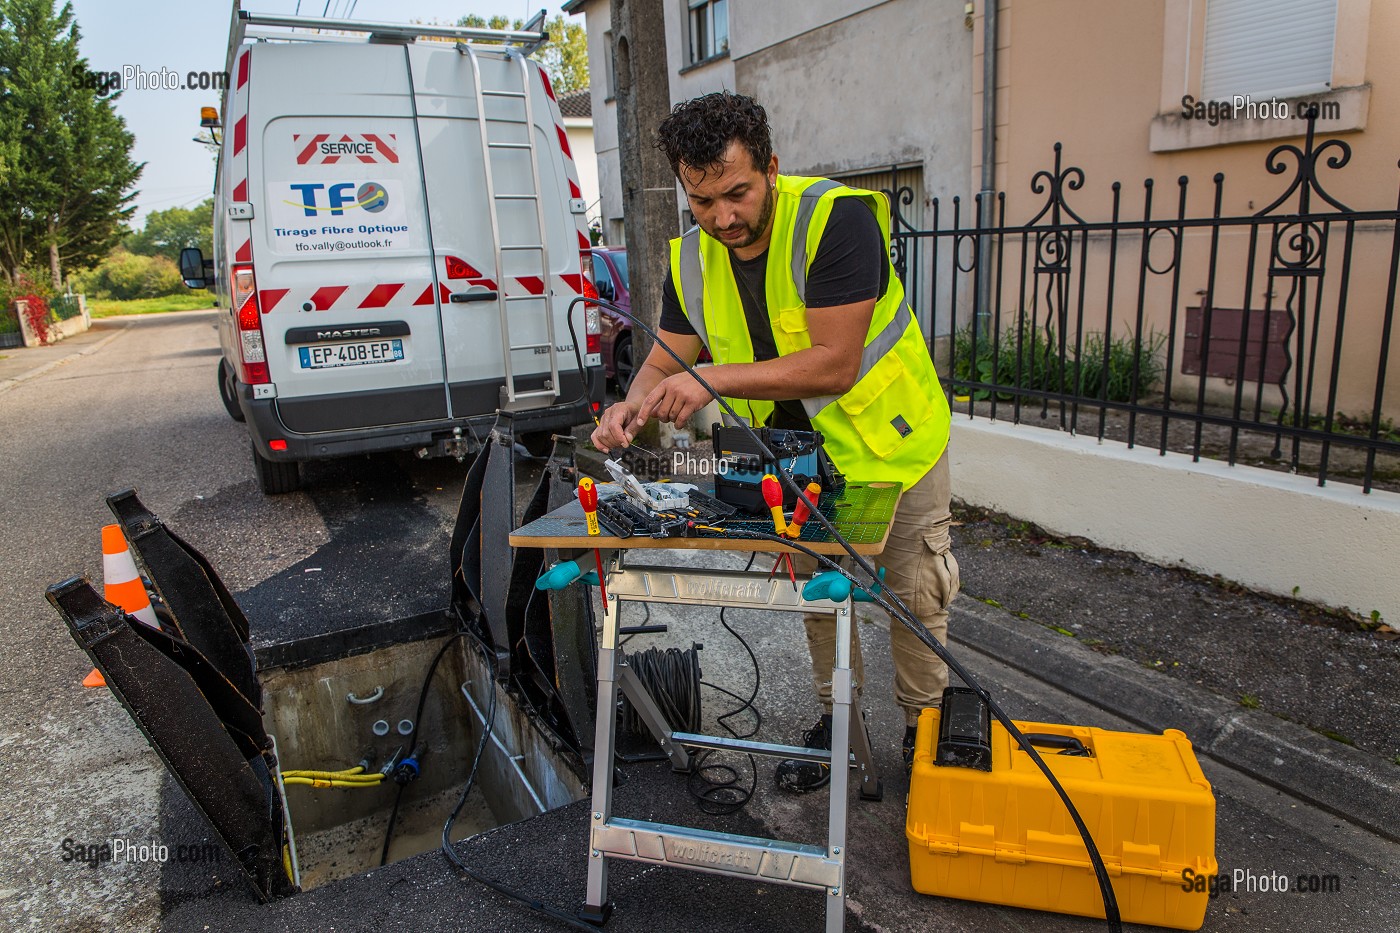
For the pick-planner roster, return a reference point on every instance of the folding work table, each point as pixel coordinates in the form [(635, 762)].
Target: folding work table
[(862, 514)]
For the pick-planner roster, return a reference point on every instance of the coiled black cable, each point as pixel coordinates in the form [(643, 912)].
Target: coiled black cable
[(888, 600), (716, 787), (672, 677)]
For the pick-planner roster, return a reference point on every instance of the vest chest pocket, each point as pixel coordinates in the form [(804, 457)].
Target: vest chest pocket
[(791, 332), (884, 407)]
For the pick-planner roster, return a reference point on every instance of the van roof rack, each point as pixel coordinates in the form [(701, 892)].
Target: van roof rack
[(524, 40)]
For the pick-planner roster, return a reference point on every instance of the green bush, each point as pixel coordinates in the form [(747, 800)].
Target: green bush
[(1034, 363), (124, 275), (34, 280)]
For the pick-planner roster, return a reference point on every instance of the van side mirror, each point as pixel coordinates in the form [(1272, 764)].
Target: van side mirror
[(192, 267)]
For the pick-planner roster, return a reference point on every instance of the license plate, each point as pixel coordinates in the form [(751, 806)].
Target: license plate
[(329, 355)]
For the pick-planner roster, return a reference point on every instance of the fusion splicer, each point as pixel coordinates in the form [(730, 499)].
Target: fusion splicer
[(740, 465)]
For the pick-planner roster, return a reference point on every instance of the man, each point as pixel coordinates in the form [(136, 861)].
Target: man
[(788, 282)]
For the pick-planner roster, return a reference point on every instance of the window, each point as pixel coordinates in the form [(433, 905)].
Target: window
[(620, 260), (602, 278), (709, 29), (906, 177), (1281, 48), (608, 94)]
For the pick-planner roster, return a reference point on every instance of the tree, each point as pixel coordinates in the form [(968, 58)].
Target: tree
[(171, 230), (564, 57), (66, 155)]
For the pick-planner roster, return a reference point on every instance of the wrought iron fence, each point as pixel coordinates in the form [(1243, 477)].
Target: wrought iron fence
[(62, 307), (1279, 357)]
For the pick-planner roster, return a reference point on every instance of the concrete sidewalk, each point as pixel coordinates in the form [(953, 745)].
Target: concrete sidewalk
[(18, 364)]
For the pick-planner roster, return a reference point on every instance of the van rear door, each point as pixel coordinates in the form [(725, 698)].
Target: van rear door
[(475, 299), (342, 251)]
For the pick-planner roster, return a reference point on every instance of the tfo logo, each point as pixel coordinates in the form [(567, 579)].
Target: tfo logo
[(319, 198)]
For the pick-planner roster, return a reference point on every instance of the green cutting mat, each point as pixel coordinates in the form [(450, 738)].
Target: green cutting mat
[(860, 512)]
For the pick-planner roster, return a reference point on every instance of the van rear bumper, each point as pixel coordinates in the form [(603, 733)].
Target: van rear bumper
[(265, 425)]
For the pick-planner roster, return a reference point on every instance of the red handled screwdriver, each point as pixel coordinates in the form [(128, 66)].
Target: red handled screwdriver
[(806, 505)]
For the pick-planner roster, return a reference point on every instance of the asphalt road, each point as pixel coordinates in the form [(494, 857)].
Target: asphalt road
[(368, 540), (142, 411)]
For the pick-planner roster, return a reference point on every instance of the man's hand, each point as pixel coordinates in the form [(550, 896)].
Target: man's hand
[(615, 428), (673, 400)]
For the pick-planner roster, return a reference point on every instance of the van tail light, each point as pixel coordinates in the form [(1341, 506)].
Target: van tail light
[(593, 322), (593, 327), (245, 310)]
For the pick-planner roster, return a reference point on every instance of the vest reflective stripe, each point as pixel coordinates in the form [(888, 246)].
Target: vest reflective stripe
[(874, 351), (692, 284), (805, 208)]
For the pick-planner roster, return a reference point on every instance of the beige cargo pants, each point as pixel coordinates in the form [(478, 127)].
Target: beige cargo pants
[(920, 567)]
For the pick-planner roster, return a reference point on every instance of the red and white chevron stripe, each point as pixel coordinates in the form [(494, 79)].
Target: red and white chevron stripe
[(370, 148), (570, 170), (375, 295), (240, 231)]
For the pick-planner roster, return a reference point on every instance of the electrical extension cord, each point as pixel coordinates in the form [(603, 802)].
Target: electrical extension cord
[(897, 609)]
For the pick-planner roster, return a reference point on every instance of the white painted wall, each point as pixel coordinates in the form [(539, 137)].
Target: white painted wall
[(582, 144), (687, 82), (1267, 530), (754, 26), (606, 167), (888, 86), (850, 85)]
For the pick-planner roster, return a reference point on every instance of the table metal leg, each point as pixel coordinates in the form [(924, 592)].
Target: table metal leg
[(596, 907), (842, 691), (808, 866)]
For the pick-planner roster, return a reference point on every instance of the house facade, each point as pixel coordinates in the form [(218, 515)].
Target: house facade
[(1183, 89), (853, 88)]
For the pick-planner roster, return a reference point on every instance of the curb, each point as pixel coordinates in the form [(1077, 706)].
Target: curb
[(13, 381), (1349, 783)]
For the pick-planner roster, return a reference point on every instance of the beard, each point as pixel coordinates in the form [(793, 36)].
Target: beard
[(751, 231)]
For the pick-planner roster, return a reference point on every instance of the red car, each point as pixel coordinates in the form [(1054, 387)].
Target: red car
[(610, 278)]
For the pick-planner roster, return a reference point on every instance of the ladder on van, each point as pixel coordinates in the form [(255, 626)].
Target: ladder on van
[(515, 396)]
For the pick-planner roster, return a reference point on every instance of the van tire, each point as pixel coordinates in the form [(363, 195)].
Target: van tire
[(623, 367), (276, 477), (227, 391)]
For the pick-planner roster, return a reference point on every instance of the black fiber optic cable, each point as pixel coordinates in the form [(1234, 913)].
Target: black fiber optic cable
[(534, 904), (413, 744), (889, 601)]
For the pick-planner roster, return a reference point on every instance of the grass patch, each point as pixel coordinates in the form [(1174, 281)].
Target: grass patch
[(1113, 368), (112, 308), (1334, 736), (1249, 701)]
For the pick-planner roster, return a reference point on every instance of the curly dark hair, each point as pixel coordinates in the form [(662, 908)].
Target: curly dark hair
[(699, 131)]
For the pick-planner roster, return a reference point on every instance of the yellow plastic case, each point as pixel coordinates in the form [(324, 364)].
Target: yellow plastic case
[(1005, 837)]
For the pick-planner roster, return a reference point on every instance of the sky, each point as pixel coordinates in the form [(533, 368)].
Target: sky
[(192, 35)]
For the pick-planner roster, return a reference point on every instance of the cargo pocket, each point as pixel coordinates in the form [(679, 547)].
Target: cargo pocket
[(883, 419), (939, 578)]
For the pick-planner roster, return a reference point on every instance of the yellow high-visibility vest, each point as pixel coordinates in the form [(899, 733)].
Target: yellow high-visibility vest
[(892, 425)]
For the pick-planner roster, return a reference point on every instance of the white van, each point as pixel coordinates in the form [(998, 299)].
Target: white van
[(398, 230)]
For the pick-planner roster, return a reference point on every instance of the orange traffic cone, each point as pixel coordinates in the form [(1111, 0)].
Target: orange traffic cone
[(122, 587)]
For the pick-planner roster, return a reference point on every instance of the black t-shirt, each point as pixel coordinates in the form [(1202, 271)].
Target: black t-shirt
[(850, 266)]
